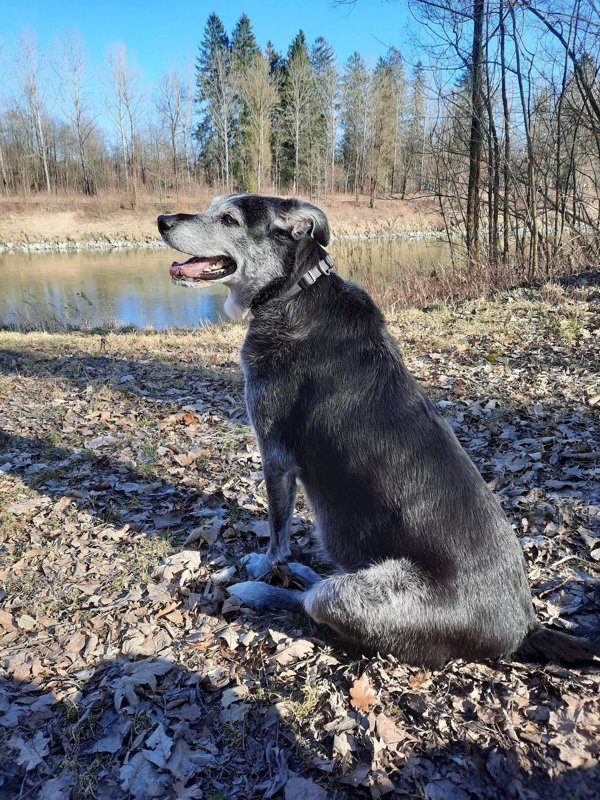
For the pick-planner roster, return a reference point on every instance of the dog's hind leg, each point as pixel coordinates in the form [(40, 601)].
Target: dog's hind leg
[(258, 594), (304, 574), (386, 607)]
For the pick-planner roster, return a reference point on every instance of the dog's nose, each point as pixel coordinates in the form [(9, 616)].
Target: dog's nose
[(166, 221)]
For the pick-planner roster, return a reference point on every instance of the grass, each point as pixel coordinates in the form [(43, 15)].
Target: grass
[(305, 706), (109, 215)]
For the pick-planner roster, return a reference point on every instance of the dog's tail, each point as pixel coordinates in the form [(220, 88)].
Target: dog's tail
[(551, 646)]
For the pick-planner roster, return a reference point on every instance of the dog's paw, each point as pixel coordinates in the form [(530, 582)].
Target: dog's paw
[(252, 593), (304, 574), (257, 565)]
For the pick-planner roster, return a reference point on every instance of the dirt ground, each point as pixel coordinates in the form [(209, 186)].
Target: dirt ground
[(130, 488), (108, 217)]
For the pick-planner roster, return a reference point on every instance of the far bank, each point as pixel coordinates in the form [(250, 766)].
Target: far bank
[(44, 222)]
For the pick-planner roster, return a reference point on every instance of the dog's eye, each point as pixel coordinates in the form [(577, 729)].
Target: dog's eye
[(229, 220)]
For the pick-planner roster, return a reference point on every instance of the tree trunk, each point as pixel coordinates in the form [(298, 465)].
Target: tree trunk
[(475, 139), (531, 178), (3, 170), (506, 159)]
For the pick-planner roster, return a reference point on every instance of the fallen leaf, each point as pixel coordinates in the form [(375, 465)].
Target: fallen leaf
[(234, 695), (304, 789), (388, 731), (139, 777), (158, 747), (295, 651), (362, 694), (31, 752)]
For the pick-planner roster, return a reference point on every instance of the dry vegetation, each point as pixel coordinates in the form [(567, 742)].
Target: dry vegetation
[(131, 487), (110, 216)]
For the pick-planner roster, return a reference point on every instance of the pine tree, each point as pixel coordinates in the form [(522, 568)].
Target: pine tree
[(398, 75), (216, 99), (243, 43), (416, 125), (323, 127), (297, 89), (276, 64), (355, 120), (244, 51), (383, 128), (275, 60)]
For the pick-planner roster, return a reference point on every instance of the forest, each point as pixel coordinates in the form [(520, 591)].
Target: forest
[(493, 117)]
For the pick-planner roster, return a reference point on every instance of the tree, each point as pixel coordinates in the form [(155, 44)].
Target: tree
[(170, 103), (124, 106), (31, 80), (3, 172), (243, 44), (216, 96), (259, 94), (355, 119), (476, 136), (298, 86), (70, 67), (244, 50), (383, 130), (324, 112), (398, 77)]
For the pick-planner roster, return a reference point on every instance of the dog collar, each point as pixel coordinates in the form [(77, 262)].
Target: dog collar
[(324, 267)]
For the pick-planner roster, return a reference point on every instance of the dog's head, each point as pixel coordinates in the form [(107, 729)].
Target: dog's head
[(250, 243)]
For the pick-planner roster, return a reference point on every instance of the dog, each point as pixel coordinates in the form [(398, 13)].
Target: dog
[(428, 567)]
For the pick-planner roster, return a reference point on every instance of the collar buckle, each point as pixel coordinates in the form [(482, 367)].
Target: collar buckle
[(324, 267)]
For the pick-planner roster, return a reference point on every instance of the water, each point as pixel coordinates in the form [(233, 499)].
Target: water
[(123, 287)]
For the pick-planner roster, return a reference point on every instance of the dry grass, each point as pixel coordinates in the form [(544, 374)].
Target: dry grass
[(63, 217)]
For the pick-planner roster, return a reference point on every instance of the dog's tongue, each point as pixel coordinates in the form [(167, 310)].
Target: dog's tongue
[(193, 267)]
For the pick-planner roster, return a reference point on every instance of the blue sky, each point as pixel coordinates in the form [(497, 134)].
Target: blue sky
[(159, 35)]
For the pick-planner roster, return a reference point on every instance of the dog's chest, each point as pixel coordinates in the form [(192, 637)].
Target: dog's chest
[(272, 382)]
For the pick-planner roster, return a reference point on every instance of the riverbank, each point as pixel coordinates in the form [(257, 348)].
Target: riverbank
[(130, 488), (57, 224)]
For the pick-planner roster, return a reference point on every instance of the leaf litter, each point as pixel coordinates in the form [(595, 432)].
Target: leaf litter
[(131, 488)]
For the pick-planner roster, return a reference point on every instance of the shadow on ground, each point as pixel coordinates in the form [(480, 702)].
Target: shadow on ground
[(152, 729)]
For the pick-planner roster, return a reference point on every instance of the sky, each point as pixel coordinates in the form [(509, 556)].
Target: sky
[(161, 35)]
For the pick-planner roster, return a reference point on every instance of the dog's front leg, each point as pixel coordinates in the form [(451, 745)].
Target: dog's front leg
[(281, 493)]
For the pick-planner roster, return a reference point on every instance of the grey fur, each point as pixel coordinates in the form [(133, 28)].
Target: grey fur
[(430, 567)]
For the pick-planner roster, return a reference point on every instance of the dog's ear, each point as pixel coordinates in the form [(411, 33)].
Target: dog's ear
[(299, 218)]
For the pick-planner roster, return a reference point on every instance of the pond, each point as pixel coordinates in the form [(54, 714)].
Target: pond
[(132, 287)]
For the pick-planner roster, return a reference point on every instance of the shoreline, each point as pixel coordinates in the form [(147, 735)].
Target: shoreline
[(65, 224), (108, 244)]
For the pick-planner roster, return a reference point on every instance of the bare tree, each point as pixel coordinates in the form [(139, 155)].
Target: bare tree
[(259, 93), (476, 137), (187, 89), (69, 65), (124, 106), (3, 173), (299, 88), (170, 102), (31, 80)]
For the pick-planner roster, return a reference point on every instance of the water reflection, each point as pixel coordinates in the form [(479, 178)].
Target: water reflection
[(133, 286)]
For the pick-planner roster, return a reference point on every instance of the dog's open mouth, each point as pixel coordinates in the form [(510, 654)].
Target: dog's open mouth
[(198, 269)]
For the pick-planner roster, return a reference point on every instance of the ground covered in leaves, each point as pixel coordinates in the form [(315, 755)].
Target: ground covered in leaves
[(130, 489)]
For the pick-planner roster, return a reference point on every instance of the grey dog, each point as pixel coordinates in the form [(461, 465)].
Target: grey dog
[(428, 567)]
